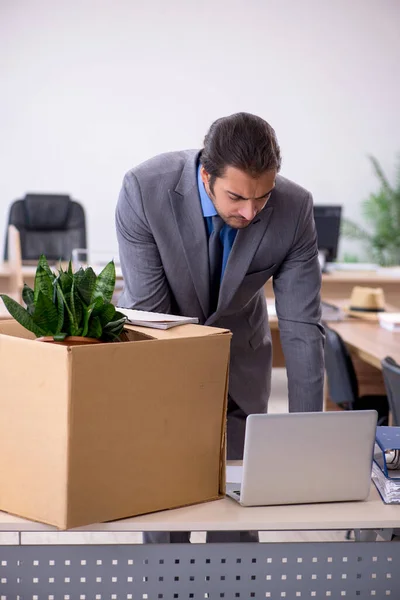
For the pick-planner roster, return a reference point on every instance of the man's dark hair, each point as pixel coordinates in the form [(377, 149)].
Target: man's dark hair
[(243, 141)]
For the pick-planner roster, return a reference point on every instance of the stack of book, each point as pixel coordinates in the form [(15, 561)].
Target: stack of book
[(154, 320), (386, 464)]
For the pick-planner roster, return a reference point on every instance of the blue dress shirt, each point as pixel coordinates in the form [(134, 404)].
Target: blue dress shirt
[(227, 234)]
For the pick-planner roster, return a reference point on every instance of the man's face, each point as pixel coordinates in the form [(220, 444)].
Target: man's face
[(237, 196)]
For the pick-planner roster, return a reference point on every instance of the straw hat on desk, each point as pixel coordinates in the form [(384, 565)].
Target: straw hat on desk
[(366, 303)]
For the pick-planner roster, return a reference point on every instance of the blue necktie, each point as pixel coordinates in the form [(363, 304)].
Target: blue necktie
[(215, 254)]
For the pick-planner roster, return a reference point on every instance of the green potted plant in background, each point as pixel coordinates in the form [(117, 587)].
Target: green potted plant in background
[(381, 211), (69, 308)]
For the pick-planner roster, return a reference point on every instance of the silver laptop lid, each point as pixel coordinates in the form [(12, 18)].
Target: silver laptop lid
[(295, 458)]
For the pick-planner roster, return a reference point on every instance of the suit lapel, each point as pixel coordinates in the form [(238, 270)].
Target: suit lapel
[(186, 207), (243, 250)]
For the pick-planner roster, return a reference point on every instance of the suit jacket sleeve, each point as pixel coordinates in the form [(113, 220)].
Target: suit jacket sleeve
[(145, 284), (297, 286)]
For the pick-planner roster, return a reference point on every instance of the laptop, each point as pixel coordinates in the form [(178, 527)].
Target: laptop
[(297, 458)]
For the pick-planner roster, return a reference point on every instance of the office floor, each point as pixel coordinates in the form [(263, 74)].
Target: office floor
[(278, 403)]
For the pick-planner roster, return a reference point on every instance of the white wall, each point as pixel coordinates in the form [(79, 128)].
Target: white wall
[(91, 88)]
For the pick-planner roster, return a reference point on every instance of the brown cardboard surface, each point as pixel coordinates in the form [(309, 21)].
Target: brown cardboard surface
[(33, 429), (103, 432)]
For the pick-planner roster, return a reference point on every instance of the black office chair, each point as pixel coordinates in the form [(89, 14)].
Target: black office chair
[(391, 376), (48, 224), (342, 380)]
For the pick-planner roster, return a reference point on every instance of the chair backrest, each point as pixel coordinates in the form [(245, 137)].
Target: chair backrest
[(391, 376), (14, 263), (342, 378), (48, 224)]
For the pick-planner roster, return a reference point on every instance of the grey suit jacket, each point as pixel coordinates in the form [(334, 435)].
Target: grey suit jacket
[(164, 258)]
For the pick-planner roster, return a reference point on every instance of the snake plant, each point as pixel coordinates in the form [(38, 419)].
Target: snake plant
[(69, 304), (382, 215)]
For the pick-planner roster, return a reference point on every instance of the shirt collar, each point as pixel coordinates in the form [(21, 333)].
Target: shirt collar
[(207, 206)]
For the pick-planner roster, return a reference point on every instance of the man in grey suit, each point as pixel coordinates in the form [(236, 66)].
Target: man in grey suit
[(200, 233)]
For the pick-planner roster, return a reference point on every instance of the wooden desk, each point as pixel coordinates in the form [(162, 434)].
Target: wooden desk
[(228, 515), (28, 274), (368, 341), (55, 566), (335, 285), (4, 314), (339, 284), (368, 344)]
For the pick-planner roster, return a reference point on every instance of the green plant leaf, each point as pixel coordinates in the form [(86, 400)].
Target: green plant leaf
[(106, 313), (349, 258), (69, 303), (352, 230), (117, 320), (65, 281), (380, 174), (45, 314), (99, 303), (60, 311), (95, 330), (20, 314), (87, 313), (109, 336), (28, 298), (69, 324), (86, 285), (59, 337), (118, 316), (381, 213), (66, 327), (43, 283), (105, 283), (112, 330), (76, 309), (45, 266), (397, 188), (114, 326), (78, 276)]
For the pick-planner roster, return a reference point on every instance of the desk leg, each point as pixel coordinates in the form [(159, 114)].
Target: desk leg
[(365, 535), (139, 571)]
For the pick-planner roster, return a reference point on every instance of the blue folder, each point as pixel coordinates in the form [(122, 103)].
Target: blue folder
[(387, 438)]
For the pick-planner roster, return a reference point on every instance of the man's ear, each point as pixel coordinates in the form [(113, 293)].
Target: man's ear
[(205, 177)]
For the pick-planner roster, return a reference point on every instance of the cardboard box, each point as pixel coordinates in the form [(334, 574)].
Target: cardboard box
[(101, 432)]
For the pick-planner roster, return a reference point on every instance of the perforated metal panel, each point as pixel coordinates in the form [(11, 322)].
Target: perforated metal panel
[(198, 571)]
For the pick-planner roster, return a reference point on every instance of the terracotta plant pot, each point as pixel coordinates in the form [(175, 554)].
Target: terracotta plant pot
[(71, 340)]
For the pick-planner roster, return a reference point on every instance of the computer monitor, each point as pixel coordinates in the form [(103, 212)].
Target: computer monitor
[(327, 222)]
